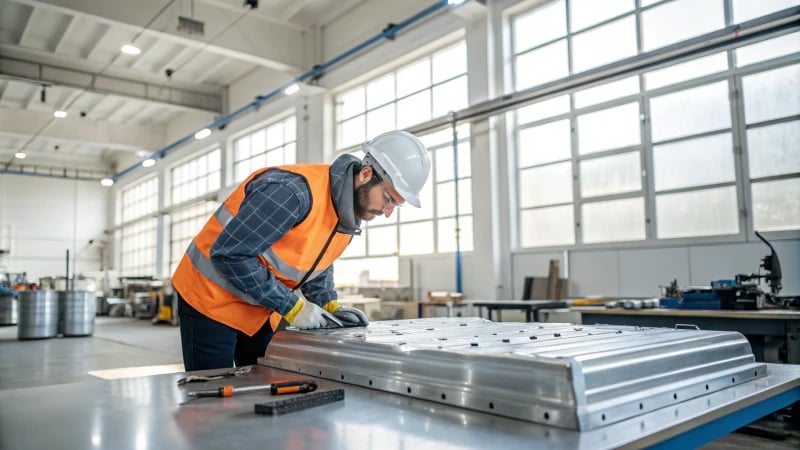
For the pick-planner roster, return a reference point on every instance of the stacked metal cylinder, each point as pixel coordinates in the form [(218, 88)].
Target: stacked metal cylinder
[(8, 309), (38, 315), (46, 314), (76, 310)]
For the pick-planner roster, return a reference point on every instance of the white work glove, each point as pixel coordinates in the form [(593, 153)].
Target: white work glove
[(351, 317), (306, 315)]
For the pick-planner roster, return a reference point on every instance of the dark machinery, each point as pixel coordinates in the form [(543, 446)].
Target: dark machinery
[(743, 292)]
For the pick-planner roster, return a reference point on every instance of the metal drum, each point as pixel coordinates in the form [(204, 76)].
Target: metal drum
[(38, 314), (76, 311), (8, 309)]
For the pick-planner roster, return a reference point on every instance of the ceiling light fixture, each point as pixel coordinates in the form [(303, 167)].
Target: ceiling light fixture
[(202, 134), (455, 2), (60, 114), (107, 182), (149, 162), (292, 89), (20, 155), (130, 49)]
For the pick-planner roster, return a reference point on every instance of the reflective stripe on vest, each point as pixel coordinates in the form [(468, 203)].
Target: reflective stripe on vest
[(224, 217), (204, 266)]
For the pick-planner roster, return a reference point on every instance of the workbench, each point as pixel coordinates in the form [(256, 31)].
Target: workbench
[(530, 307), (783, 324), (152, 413)]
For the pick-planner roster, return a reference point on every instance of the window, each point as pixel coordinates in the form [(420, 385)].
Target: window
[(184, 225), (426, 88), (444, 183), (197, 177), (652, 154), (139, 200), (138, 234), (273, 145), (139, 248), (772, 112), (744, 10), (678, 20)]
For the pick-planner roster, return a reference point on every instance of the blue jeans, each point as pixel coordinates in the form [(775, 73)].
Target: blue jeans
[(208, 344)]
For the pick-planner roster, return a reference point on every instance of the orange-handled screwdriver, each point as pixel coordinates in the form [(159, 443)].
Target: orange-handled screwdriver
[(286, 387)]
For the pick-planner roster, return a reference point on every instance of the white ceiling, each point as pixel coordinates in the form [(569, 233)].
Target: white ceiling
[(71, 50)]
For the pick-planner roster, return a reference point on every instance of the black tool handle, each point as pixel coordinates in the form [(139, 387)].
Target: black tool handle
[(224, 391)]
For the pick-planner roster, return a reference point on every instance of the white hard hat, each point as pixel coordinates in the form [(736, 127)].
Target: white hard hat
[(403, 158)]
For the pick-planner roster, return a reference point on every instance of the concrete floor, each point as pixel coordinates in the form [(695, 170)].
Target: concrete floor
[(117, 342), (133, 343)]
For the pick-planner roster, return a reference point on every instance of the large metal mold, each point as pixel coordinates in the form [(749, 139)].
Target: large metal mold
[(571, 376)]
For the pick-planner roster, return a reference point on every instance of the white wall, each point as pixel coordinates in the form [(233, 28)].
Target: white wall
[(640, 272), (47, 217)]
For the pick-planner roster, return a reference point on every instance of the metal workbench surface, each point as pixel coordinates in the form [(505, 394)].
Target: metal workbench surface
[(152, 413), (782, 323), (766, 314)]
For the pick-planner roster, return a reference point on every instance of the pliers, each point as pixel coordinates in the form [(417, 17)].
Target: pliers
[(230, 373)]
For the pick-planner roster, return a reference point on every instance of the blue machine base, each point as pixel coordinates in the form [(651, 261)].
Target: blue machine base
[(677, 303)]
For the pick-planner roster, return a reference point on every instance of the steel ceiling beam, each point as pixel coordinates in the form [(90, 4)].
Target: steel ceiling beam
[(167, 95), (126, 137), (73, 27), (37, 156), (273, 45)]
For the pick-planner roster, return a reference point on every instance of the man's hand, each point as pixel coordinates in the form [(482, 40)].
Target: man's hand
[(305, 315), (351, 317)]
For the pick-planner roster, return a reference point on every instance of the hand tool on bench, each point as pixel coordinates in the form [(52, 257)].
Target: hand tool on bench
[(227, 374), (286, 387)]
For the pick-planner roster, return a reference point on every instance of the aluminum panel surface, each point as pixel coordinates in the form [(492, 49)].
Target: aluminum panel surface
[(570, 376)]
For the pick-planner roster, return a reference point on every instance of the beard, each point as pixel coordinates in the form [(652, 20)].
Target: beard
[(361, 201)]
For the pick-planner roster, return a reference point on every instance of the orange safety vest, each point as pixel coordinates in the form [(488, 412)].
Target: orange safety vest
[(310, 246)]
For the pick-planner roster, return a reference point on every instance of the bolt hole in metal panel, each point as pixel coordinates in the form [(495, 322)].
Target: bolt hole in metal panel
[(577, 377)]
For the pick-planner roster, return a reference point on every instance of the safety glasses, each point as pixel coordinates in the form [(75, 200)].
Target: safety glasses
[(388, 199)]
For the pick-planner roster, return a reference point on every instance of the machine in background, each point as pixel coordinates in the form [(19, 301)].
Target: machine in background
[(743, 292)]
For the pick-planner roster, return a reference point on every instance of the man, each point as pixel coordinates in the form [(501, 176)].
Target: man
[(280, 231)]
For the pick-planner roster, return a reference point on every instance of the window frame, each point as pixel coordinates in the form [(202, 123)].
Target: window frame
[(733, 74)]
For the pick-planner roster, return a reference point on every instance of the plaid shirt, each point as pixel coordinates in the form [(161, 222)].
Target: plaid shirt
[(274, 202)]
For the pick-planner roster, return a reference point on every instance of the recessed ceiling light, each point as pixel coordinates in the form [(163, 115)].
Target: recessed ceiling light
[(107, 182), (142, 153), (130, 49), (60, 114), (455, 2), (202, 134), (20, 155), (149, 162), (292, 89)]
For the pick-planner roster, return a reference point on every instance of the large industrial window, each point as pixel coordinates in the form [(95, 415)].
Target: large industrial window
[(273, 145), (654, 154), (427, 88), (138, 233), (185, 223), (195, 178), (189, 180), (772, 117), (139, 200), (414, 93)]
